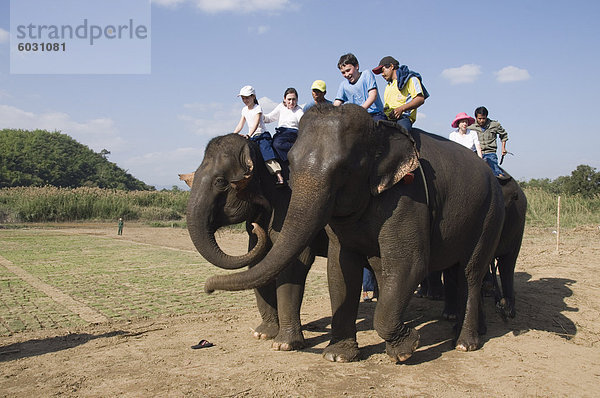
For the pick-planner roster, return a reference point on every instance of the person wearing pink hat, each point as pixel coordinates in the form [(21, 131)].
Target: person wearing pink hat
[(463, 136)]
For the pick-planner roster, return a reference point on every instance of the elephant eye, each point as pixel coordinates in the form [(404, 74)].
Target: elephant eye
[(220, 182)]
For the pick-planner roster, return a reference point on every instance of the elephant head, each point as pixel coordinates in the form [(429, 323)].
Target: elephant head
[(341, 159), (224, 193)]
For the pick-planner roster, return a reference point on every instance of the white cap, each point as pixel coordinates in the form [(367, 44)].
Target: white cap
[(246, 91)]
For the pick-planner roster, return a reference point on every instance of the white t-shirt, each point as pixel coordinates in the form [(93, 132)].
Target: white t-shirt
[(250, 116), (285, 117), (469, 140)]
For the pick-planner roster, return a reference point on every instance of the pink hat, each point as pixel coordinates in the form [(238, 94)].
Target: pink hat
[(462, 116)]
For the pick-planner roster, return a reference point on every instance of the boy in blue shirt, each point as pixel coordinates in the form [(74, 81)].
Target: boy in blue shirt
[(359, 88)]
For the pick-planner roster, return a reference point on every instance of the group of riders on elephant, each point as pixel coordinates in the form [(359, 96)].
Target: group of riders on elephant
[(348, 200)]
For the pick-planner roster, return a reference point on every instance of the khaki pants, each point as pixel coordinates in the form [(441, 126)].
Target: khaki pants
[(273, 166)]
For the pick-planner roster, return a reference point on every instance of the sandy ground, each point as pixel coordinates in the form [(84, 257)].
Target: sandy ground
[(551, 349)]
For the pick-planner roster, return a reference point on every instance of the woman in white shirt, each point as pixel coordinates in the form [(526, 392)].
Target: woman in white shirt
[(287, 115), (464, 137)]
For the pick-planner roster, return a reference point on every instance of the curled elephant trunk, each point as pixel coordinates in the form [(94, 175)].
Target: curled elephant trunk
[(306, 216), (203, 236)]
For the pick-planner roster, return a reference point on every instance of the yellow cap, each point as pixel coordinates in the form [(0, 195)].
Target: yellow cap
[(319, 85)]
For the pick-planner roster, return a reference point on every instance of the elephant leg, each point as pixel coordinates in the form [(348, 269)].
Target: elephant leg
[(450, 293), (506, 268), (395, 293), (290, 290), (344, 274), (266, 301), (435, 288), (471, 311)]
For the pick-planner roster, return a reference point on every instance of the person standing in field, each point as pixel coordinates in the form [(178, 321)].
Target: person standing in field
[(120, 230)]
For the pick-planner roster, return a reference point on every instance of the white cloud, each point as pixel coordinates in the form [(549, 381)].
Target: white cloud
[(4, 36), (512, 74), (216, 6), (267, 104), (205, 121), (168, 3), (467, 73), (162, 168), (212, 119), (259, 30), (97, 134)]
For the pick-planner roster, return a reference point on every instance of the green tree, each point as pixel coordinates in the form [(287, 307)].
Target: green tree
[(38, 158), (584, 180)]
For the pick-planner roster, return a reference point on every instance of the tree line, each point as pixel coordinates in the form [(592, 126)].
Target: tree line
[(584, 181), (40, 158)]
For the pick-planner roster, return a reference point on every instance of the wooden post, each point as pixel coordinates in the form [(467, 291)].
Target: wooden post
[(558, 226)]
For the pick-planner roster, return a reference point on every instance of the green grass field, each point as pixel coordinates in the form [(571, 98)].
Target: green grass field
[(120, 280)]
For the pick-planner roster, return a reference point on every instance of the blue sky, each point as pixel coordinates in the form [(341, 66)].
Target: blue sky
[(533, 64)]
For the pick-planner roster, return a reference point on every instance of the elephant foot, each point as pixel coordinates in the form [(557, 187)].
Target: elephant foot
[(467, 341), (342, 351), (449, 315), (266, 331), (506, 309), (289, 341), (401, 350)]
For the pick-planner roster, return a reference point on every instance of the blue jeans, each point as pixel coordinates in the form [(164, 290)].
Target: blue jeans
[(368, 280), (265, 144), (405, 122), (283, 140), (378, 116), (492, 160)]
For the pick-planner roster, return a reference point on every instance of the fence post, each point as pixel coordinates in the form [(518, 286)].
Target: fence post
[(558, 226)]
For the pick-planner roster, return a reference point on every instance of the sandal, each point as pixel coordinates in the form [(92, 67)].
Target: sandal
[(202, 344)]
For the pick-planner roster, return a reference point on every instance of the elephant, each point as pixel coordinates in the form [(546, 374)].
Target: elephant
[(505, 254), (347, 174), (515, 207), (232, 185)]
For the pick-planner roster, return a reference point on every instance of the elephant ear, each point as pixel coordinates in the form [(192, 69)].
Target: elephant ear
[(247, 159), (396, 155)]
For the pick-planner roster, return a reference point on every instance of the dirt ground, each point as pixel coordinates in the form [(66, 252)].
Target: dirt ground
[(550, 349)]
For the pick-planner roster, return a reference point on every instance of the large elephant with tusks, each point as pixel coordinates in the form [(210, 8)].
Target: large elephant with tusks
[(347, 173)]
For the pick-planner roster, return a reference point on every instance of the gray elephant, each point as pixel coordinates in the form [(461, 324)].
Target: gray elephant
[(347, 173), (505, 255), (232, 185)]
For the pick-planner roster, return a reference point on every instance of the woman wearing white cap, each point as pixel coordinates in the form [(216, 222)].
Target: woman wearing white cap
[(253, 114), (464, 137)]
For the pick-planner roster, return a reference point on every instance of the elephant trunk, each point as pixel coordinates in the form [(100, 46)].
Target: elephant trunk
[(200, 222), (307, 214)]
